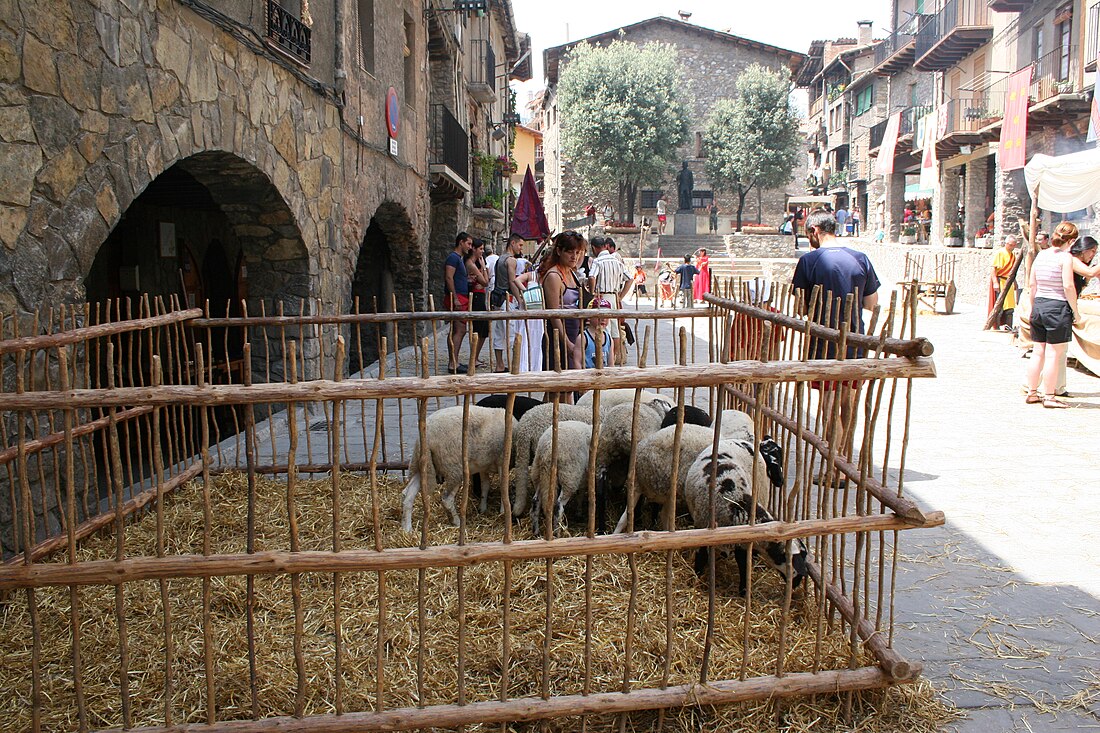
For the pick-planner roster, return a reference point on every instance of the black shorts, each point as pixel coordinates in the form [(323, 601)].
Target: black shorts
[(1051, 321)]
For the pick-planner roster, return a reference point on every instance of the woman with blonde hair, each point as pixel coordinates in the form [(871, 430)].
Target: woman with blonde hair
[(1053, 313)]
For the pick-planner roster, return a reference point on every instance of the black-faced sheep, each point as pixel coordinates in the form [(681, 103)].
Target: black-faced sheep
[(443, 433), (692, 416), (574, 439), (734, 466)]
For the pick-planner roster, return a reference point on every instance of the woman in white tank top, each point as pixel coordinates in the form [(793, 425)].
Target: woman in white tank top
[(1053, 313)]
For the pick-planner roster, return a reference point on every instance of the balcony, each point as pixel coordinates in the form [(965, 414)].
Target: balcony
[(895, 54), (858, 171), (970, 118), (448, 155), (878, 132), (1055, 92), (287, 34), (962, 27), (816, 106), (482, 76)]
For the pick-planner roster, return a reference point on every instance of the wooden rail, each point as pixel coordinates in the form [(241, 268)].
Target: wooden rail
[(114, 572), (704, 375), (412, 317), (76, 335)]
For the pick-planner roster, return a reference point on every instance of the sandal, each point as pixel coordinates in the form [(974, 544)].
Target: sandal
[(1053, 403), (1033, 398)]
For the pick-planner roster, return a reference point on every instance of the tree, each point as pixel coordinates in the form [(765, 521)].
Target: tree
[(752, 140), (623, 115)]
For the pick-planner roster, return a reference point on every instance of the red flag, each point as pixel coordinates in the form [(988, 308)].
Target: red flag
[(529, 218), (1014, 126), (884, 166)]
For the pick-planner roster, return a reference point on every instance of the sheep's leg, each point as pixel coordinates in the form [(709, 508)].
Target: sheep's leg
[(536, 503), (407, 501), (621, 526), (482, 489), (702, 560), (668, 512), (523, 467), (601, 504), (741, 554), (449, 503)]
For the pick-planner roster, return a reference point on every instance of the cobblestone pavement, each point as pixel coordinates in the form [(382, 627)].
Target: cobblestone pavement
[(1003, 603)]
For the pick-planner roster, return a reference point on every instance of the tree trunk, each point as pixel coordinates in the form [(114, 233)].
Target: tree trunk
[(759, 205), (631, 201), (622, 200), (741, 194)]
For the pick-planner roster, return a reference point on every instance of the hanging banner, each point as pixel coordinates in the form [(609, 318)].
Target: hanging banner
[(1094, 116), (884, 166), (1014, 127), (529, 218), (929, 167)]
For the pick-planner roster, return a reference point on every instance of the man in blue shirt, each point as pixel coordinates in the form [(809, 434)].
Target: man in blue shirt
[(687, 273), (457, 297), (840, 271), (841, 221)]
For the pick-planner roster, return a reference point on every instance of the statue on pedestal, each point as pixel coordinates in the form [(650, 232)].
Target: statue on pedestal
[(685, 185)]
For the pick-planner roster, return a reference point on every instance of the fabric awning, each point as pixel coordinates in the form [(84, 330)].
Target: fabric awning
[(1065, 182), (913, 192)]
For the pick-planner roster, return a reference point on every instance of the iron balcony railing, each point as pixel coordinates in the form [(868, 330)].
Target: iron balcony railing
[(910, 119), (893, 43), (287, 32), (972, 111), (449, 145), (483, 64), (955, 14), (878, 132), (1055, 73)]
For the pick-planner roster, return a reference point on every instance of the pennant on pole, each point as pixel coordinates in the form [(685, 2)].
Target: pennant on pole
[(884, 166), (1094, 116), (929, 167), (529, 219), (1014, 127)]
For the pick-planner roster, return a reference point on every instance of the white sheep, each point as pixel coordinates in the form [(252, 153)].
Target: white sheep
[(735, 469), (654, 467), (574, 439), (527, 433), (443, 433), (611, 397)]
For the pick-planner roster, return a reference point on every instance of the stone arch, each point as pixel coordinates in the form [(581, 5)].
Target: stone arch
[(388, 271)]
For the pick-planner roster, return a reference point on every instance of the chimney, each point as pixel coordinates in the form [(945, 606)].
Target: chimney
[(864, 32)]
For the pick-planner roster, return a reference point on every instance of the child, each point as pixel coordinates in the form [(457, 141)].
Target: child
[(639, 281), (595, 329)]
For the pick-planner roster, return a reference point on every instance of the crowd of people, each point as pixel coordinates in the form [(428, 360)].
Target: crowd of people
[(573, 273)]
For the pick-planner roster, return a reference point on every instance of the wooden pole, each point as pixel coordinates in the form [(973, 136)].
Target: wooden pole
[(116, 572), (1029, 256), (528, 709), (668, 377), (88, 333)]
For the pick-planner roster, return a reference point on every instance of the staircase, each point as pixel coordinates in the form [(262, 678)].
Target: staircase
[(675, 247)]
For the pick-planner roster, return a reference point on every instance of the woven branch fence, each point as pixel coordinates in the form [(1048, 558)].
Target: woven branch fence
[(200, 521)]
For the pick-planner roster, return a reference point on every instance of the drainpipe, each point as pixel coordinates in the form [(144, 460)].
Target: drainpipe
[(340, 76)]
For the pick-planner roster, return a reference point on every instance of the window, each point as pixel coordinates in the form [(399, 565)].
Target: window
[(649, 198), (366, 35), (920, 7), (865, 99), (701, 199), (1063, 30), (913, 96), (1037, 43), (538, 152), (410, 60)]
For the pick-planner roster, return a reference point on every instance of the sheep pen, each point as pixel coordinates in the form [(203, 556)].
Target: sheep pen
[(213, 583)]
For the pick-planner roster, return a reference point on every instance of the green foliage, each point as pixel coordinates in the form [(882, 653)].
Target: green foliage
[(623, 113), (752, 140)]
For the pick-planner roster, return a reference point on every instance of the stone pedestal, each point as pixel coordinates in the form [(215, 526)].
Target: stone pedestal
[(684, 223)]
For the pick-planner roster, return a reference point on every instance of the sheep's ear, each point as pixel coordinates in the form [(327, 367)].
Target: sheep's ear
[(772, 453)]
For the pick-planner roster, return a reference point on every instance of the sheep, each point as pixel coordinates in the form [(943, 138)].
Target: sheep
[(613, 451), (526, 437), (653, 469), (692, 416), (519, 408), (443, 434), (611, 397), (574, 438), (737, 425), (733, 502)]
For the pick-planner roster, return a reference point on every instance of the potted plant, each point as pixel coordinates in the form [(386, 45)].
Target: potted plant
[(908, 233), (952, 235)]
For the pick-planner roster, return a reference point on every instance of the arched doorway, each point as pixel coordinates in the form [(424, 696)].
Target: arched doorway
[(387, 272)]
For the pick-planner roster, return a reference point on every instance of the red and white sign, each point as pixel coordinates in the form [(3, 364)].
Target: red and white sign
[(1014, 128), (884, 166)]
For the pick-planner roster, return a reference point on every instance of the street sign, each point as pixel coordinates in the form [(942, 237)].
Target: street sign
[(393, 147), (393, 117)]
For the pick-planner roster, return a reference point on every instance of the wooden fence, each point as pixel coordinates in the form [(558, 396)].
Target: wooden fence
[(171, 564)]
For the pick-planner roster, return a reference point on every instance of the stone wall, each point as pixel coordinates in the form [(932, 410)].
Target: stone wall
[(98, 103), (760, 245)]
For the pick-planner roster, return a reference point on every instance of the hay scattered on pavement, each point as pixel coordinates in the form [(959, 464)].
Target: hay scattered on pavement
[(913, 708)]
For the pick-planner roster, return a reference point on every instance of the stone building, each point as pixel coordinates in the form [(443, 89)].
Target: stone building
[(280, 151), (947, 64), (712, 61)]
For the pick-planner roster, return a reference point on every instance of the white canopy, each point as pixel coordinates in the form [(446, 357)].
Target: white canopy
[(1065, 182)]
